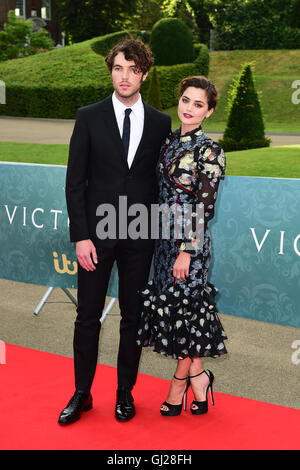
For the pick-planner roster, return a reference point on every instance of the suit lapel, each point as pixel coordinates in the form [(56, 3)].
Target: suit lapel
[(146, 128), (112, 127)]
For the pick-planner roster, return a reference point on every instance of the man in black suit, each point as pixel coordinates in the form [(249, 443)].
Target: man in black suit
[(113, 155)]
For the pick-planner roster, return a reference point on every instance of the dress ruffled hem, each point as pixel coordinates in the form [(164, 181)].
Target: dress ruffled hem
[(180, 326)]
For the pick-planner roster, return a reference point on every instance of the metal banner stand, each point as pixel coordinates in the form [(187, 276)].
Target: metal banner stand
[(47, 295), (72, 298), (108, 309)]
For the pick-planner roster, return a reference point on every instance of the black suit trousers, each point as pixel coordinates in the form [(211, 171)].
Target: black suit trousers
[(133, 271)]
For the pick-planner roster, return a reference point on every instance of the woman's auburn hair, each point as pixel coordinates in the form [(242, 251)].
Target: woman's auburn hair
[(134, 50)]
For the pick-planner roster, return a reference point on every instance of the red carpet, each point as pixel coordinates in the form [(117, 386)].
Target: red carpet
[(35, 386)]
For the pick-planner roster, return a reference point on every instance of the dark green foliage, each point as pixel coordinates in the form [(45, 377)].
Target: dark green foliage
[(86, 19), (147, 13), (255, 24), (18, 38), (103, 45), (169, 79), (179, 9), (245, 126), (294, 18), (202, 60), (171, 42), (153, 94), (51, 102), (202, 19)]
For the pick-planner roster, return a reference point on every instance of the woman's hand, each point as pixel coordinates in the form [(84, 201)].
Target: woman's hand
[(181, 266)]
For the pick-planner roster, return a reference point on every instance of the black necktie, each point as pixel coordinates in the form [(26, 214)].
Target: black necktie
[(126, 130)]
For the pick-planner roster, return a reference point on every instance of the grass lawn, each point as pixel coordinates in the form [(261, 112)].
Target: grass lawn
[(280, 162), (52, 154), (213, 124), (274, 72), (58, 67), (276, 162)]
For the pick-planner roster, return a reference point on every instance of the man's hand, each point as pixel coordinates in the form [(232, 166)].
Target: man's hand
[(86, 254), (181, 266)]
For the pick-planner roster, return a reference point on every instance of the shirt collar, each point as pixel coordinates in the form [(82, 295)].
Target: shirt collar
[(137, 108)]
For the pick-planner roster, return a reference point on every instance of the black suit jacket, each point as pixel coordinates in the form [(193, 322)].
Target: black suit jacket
[(98, 172)]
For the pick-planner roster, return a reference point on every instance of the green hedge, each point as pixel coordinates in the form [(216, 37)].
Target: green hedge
[(153, 94), (50, 102), (202, 59), (103, 45), (56, 83), (170, 76), (171, 42)]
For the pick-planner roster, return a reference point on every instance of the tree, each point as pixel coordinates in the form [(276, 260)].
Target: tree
[(179, 9), (147, 13), (18, 38), (86, 19), (253, 24), (202, 19), (245, 126), (193, 13), (153, 95), (295, 14)]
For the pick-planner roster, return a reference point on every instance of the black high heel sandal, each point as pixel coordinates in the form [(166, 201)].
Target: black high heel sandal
[(202, 406), (175, 410)]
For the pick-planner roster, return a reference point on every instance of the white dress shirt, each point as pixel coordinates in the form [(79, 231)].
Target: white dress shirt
[(136, 123)]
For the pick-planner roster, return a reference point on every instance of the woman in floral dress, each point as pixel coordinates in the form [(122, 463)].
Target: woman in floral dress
[(179, 316)]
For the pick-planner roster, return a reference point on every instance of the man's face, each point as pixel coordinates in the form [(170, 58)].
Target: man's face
[(126, 78)]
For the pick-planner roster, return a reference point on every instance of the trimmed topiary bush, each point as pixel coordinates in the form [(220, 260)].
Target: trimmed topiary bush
[(245, 126), (54, 84), (153, 94), (171, 42), (169, 78), (103, 44), (202, 60)]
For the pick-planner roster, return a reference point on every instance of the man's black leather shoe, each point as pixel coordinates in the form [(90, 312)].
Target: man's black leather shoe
[(79, 402), (124, 407)]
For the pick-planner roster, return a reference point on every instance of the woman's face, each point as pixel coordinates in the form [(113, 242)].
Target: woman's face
[(193, 108)]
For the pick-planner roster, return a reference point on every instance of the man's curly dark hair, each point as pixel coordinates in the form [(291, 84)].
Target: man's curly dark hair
[(135, 50)]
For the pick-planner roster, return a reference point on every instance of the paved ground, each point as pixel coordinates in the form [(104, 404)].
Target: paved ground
[(53, 131), (259, 364), (40, 131)]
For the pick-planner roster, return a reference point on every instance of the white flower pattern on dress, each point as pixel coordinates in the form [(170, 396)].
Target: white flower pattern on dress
[(180, 319)]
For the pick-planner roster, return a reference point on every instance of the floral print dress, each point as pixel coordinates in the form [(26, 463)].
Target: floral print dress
[(180, 318)]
